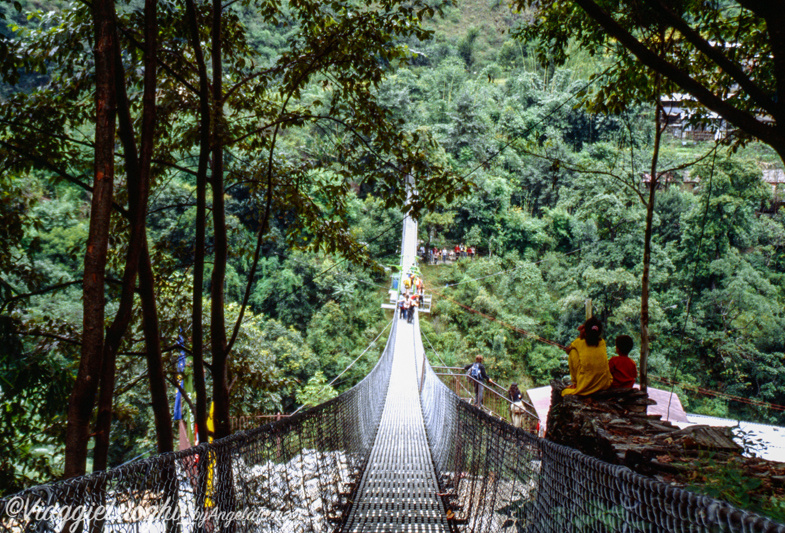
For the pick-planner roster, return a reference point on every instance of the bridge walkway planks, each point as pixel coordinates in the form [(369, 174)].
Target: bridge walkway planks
[(398, 492)]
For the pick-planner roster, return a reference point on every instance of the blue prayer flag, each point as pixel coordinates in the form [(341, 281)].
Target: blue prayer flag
[(178, 399)]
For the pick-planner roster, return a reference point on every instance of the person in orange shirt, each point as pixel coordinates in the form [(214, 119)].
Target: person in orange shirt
[(588, 360), (623, 368)]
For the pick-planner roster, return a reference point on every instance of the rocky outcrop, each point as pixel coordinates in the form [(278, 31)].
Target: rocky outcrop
[(613, 426)]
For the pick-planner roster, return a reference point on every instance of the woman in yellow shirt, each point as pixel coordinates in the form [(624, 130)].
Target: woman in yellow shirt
[(588, 359)]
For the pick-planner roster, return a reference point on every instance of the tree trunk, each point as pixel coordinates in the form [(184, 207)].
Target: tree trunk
[(224, 478), (653, 181), (155, 369), (217, 320), (197, 342), (82, 400), (138, 183)]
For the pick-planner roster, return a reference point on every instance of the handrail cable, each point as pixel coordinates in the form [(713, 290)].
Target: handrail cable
[(444, 365), (440, 357), (451, 368), (500, 395), (709, 392), (373, 342)]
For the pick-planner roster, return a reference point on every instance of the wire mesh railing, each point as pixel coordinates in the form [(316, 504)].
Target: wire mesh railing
[(495, 477), (301, 474), (295, 475), (494, 400)]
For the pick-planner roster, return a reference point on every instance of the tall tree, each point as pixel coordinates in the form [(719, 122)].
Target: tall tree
[(82, 401), (659, 127), (197, 330), (138, 183), (217, 316)]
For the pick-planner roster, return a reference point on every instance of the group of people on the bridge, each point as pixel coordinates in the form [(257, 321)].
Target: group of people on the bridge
[(435, 254), (412, 296)]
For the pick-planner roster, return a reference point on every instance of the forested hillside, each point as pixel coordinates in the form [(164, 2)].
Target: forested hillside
[(552, 195)]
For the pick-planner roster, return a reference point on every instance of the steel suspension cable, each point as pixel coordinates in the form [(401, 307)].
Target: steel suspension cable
[(433, 349), (667, 381), (521, 331), (717, 394)]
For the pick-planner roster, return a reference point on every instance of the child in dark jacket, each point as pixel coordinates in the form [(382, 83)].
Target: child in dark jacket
[(623, 368)]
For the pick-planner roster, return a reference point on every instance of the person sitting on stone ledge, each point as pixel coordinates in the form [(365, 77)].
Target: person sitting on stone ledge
[(623, 368), (588, 360)]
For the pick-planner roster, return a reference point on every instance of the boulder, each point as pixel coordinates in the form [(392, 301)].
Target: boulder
[(612, 425)]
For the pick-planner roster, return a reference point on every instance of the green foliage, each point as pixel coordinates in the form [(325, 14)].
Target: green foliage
[(316, 391), (732, 482), (32, 410), (656, 50), (553, 207)]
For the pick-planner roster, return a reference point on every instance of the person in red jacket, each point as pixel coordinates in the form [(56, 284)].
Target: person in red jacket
[(623, 368)]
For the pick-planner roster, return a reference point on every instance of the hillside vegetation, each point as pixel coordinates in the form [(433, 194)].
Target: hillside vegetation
[(550, 194)]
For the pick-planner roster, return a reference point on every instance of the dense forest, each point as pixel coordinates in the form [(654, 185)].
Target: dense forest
[(315, 140)]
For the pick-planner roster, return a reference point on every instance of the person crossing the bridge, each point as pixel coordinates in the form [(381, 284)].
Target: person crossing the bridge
[(420, 291), (477, 374), (413, 303), (516, 405), (588, 360)]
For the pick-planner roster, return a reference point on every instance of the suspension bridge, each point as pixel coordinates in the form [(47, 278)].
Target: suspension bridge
[(399, 452)]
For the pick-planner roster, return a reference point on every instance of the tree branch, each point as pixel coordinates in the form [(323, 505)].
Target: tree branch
[(187, 398), (716, 55), (742, 119), (35, 293)]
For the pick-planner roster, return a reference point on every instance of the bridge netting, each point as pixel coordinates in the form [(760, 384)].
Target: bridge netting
[(397, 452)]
